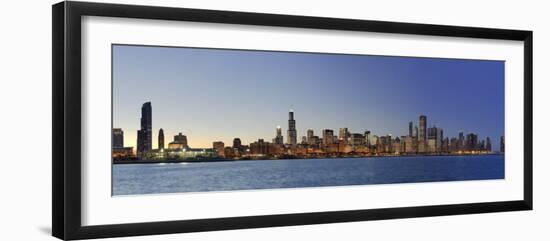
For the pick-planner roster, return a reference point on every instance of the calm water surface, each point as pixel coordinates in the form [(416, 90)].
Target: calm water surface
[(246, 175)]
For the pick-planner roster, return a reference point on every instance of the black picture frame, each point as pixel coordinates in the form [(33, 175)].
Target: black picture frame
[(66, 159)]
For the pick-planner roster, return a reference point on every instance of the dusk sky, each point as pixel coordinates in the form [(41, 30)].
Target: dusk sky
[(217, 95)]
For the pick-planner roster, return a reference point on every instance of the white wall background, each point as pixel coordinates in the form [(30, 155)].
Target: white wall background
[(25, 120)]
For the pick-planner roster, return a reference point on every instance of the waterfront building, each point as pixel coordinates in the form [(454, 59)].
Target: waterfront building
[(145, 136), (422, 146), (182, 139), (343, 135), (356, 140), (396, 146), (229, 152), (385, 144), (161, 139), (219, 147), (431, 145), (367, 138), (191, 153), (314, 141), (415, 134), (237, 143), (375, 143), (453, 145), (118, 138), (410, 128), (435, 134), (278, 136), (259, 148), (121, 153), (445, 146), (304, 140), (471, 142), (175, 145), (409, 145), (432, 133), (309, 135), (292, 135), (328, 137)]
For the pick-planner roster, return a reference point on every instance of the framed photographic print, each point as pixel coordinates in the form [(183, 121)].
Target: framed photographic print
[(170, 120)]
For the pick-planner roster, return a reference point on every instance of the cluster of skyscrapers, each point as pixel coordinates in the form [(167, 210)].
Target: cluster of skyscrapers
[(420, 140)]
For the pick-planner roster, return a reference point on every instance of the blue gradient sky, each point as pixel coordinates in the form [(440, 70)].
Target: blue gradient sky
[(216, 95)]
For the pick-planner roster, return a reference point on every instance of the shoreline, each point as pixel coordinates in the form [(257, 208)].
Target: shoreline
[(298, 158)]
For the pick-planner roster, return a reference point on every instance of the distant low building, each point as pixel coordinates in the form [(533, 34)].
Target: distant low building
[(123, 153), (187, 153), (175, 145)]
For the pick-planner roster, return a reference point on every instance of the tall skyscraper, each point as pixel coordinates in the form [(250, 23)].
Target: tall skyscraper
[(471, 142), (237, 143), (422, 135), (438, 138), (278, 136), (291, 133), (461, 141), (161, 139), (309, 136), (367, 138), (145, 135), (328, 137), (343, 134), (410, 128), (118, 138)]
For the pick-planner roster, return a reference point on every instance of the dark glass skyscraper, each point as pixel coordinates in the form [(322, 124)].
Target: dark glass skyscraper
[(471, 142), (145, 135), (237, 143), (161, 139), (118, 138), (422, 135), (291, 133)]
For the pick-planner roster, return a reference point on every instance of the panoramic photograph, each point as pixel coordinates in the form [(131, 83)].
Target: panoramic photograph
[(203, 119)]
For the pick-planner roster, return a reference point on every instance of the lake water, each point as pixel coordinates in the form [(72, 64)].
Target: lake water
[(269, 174)]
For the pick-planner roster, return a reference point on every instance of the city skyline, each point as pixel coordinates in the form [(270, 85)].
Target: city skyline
[(204, 107), (422, 139)]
